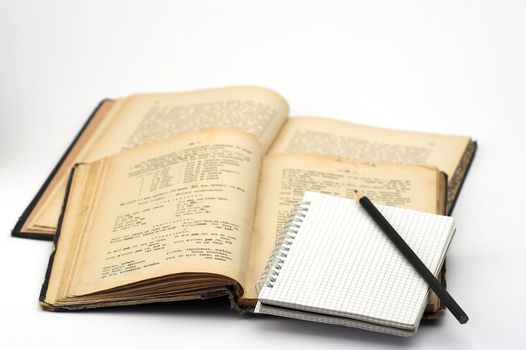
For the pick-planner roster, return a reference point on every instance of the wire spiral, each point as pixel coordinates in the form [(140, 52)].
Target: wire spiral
[(283, 242)]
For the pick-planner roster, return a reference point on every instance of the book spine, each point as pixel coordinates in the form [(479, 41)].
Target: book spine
[(284, 241)]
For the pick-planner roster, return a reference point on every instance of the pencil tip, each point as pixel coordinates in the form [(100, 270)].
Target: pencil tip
[(463, 319), (357, 195)]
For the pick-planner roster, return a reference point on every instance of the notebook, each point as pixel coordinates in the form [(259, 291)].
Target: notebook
[(333, 264)]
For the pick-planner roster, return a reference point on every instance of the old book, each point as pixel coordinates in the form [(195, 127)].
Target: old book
[(122, 124), (197, 216)]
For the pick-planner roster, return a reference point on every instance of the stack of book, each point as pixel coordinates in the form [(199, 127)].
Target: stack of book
[(165, 197)]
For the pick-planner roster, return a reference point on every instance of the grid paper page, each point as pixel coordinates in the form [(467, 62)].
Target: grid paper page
[(340, 263)]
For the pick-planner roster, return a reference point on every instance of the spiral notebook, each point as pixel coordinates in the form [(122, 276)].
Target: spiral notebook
[(332, 264)]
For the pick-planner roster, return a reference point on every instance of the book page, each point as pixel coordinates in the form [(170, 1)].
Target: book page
[(146, 118), (344, 139), (184, 205), (285, 177)]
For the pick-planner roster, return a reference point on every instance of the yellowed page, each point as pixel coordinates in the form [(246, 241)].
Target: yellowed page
[(44, 215), (75, 213), (285, 177), (184, 205), (344, 139), (146, 118)]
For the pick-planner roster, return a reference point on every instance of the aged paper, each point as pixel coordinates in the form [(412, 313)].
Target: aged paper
[(146, 118), (344, 139), (285, 177), (184, 205)]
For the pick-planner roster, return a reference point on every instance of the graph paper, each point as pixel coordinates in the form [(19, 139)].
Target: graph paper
[(339, 263)]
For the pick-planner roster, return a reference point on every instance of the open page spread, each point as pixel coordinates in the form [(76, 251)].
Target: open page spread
[(355, 141), (146, 118), (184, 205)]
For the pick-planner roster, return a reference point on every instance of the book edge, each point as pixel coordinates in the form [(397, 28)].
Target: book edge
[(17, 229), (467, 158), (45, 284)]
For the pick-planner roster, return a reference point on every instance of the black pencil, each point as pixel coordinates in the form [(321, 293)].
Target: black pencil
[(413, 259)]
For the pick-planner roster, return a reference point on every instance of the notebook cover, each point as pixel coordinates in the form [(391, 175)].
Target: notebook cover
[(17, 230)]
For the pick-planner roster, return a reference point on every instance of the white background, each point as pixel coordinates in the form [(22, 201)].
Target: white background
[(454, 67)]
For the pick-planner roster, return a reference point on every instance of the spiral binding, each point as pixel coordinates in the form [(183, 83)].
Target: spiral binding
[(282, 247)]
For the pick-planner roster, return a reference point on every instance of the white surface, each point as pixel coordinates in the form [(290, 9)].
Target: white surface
[(443, 66)]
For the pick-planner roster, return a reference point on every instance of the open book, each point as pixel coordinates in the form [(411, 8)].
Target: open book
[(196, 216), (122, 124)]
